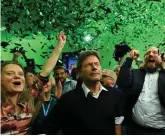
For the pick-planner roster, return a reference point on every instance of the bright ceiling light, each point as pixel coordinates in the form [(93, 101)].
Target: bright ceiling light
[(88, 38)]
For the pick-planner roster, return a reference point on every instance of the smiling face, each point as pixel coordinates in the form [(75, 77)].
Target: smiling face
[(91, 69), (12, 78), (60, 75), (151, 57)]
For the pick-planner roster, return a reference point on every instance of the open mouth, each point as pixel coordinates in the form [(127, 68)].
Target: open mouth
[(151, 61), (94, 74), (17, 83)]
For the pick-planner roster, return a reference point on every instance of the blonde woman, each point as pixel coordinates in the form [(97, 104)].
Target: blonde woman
[(47, 105), (17, 105), (17, 108)]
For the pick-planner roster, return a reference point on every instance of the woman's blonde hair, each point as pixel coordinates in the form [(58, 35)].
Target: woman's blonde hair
[(52, 81), (24, 97)]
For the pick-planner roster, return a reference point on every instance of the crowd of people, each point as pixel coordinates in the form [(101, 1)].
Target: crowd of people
[(93, 101)]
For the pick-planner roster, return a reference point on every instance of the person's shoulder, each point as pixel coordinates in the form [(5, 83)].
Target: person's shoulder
[(73, 81), (139, 70), (162, 74), (70, 81), (109, 88), (53, 99), (113, 90), (162, 70), (71, 97), (115, 93), (69, 94)]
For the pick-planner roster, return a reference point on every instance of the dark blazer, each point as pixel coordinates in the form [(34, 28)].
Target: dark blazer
[(131, 82)]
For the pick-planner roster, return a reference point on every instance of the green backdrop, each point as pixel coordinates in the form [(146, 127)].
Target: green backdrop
[(33, 25)]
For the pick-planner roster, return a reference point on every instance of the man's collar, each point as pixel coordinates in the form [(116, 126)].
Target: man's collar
[(67, 80), (86, 90), (151, 70)]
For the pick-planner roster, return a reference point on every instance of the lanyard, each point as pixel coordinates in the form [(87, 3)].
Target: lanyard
[(46, 110)]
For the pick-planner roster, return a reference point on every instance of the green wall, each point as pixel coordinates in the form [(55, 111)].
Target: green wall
[(140, 23)]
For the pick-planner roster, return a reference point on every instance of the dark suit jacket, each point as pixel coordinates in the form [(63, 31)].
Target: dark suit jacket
[(131, 81)]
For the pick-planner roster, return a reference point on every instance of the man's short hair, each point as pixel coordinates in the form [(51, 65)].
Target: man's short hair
[(59, 67), (83, 55)]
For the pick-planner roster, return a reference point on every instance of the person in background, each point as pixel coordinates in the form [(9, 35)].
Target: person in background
[(47, 105), (74, 73), (108, 78), (60, 75), (75, 76), (17, 107), (146, 96), (30, 76), (117, 70), (90, 108), (68, 74)]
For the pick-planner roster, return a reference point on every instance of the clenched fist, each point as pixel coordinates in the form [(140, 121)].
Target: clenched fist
[(134, 54)]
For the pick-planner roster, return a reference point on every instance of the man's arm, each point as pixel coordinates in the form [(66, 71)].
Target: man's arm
[(138, 63), (118, 129), (120, 107), (125, 74), (118, 121)]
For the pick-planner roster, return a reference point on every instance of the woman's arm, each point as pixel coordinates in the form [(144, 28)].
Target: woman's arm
[(51, 62), (43, 78)]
